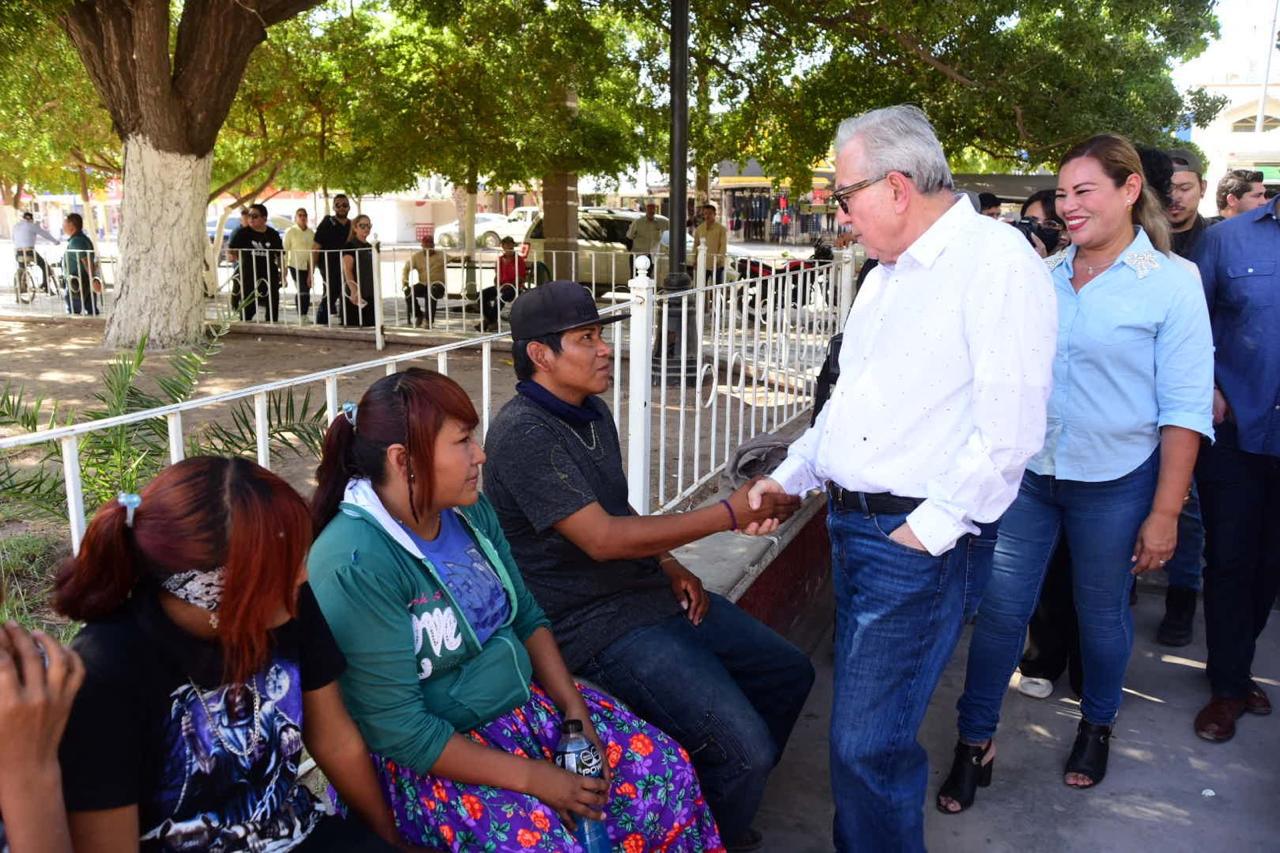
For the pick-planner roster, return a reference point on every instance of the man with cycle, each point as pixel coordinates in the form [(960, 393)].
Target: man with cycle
[(25, 234)]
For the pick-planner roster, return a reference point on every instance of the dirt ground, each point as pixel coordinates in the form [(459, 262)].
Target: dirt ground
[(63, 364)]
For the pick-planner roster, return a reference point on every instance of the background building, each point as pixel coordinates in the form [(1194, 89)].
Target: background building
[(1234, 66)]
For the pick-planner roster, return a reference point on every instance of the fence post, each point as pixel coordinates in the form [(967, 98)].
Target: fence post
[(379, 338), (75, 490), (700, 270), (262, 429), (640, 389), (847, 279), (176, 450)]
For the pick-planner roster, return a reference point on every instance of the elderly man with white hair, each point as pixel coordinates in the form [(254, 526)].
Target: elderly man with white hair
[(944, 378)]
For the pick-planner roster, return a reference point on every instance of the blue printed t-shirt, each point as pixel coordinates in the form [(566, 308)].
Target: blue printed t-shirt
[(463, 568)]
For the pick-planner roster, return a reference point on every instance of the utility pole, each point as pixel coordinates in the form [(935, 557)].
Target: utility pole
[(677, 278), (1266, 74)]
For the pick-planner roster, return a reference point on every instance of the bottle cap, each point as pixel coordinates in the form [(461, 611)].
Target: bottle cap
[(571, 727)]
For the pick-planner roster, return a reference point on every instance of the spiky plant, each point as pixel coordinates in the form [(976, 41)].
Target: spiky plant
[(122, 458)]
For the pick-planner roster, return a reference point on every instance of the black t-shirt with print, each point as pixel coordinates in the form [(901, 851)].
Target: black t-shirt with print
[(261, 253), (154, 725)]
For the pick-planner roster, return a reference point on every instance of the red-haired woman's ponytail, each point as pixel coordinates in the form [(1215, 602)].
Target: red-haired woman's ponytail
[(96, 581), (335, 469)]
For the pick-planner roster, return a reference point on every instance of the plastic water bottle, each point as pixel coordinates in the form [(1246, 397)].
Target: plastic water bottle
[(579, 755)]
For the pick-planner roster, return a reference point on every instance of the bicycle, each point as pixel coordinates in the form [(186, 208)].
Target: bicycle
[(25, 282)]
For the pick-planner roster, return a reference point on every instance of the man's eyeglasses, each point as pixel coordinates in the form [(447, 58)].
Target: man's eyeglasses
[(841, 194)]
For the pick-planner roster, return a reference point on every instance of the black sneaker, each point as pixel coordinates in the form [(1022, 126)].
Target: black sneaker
[(1177, 627)]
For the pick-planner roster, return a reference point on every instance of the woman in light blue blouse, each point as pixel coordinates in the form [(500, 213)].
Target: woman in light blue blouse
[(1132, 395)]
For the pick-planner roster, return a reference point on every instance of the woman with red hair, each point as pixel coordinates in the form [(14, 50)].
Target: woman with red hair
[(208, 667), (454, 677)]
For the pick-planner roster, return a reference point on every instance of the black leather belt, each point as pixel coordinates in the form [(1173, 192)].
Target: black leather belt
[(871, 504)]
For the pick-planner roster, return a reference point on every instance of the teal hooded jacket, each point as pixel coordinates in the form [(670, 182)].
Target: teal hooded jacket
[(416, 673)]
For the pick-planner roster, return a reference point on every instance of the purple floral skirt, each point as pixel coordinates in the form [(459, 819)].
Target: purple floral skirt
[(655, 802)]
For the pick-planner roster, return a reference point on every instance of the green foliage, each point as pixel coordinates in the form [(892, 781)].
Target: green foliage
[(123, 458), (27, 563), (52, 118), (296, 117), (1016, 81), (505, 91)]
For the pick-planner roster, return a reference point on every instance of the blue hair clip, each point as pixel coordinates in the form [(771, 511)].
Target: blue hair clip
[(349, 409), (130, 502)]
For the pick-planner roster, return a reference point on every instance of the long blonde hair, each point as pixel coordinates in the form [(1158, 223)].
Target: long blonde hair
[(351, 230), (1119, 159)]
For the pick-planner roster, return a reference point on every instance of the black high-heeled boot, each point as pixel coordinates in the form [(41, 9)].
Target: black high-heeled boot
[(970, 770), (1089, 753)]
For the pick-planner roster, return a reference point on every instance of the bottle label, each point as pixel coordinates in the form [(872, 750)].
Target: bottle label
[(584, 762)]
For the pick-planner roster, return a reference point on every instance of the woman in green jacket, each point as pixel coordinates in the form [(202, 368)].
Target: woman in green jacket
[(453, 675)]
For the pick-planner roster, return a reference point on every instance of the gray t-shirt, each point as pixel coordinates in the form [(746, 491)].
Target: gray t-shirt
[(541, 470)]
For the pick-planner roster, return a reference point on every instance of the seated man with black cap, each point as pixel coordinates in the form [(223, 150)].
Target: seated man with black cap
[(628, 615)]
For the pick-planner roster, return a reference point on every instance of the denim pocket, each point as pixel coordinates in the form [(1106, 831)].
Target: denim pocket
[(898, 521)]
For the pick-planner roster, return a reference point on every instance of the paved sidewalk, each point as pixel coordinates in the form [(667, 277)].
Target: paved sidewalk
[(1156, 794)]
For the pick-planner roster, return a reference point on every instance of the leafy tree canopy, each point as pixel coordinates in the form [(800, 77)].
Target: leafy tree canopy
[(1018, 81)]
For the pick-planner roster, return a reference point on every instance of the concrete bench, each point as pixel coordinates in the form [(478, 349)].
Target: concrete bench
[(780, 578)]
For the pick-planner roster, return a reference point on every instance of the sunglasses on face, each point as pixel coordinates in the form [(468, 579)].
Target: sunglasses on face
[(841, 194)]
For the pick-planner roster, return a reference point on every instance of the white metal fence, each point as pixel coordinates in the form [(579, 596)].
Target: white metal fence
[(706, 369), (400, 287)]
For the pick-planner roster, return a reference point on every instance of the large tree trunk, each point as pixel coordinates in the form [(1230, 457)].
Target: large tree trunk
[(162, 247), (560, 222), (168, 95)]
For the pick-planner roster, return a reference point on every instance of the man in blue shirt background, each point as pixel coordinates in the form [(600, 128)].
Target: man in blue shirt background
[(1239, 476)]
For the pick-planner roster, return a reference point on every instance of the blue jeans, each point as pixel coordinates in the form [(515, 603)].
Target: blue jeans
[(898, 617), (1100, 521), (728, 690)]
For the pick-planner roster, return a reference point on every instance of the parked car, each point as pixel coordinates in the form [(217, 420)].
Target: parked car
[(490, 229), (603, 259)]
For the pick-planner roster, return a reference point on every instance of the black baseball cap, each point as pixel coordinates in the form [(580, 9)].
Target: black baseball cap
[(1186, 161), (556, 306)]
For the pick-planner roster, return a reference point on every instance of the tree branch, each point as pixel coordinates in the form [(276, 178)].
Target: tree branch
[(97, 165), (256, 191), (214, 193)]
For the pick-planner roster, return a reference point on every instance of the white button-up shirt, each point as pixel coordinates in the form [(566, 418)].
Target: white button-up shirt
[(25, 233), (945, 370)]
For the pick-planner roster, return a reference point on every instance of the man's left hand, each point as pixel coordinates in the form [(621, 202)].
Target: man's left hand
[(688, 589), (904, 535)]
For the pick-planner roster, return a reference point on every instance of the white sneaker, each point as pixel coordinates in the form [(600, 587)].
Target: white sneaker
[(1036, 688)]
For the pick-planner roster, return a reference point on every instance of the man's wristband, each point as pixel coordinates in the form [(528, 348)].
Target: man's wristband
[(733, 518)]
